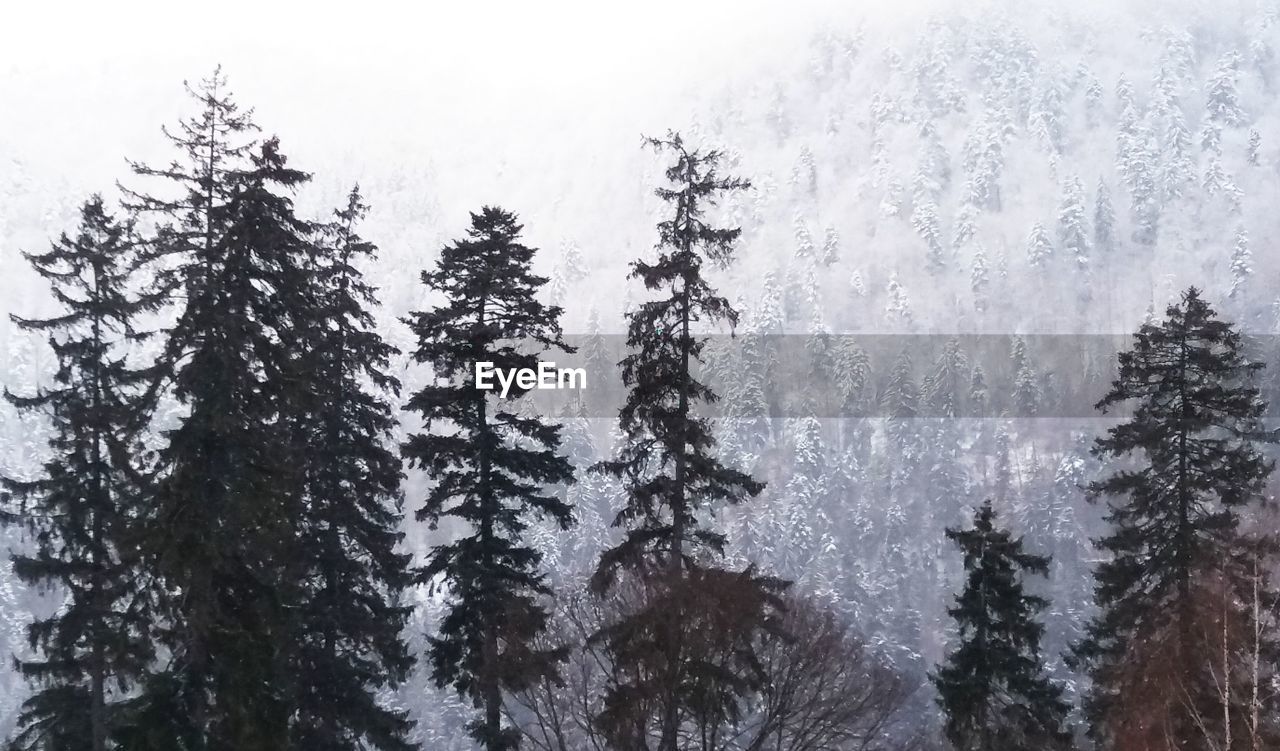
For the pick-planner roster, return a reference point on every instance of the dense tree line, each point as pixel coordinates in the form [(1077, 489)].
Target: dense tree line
[(223, 509)]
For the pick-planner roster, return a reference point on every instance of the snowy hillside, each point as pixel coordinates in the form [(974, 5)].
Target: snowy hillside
[(992, 169)]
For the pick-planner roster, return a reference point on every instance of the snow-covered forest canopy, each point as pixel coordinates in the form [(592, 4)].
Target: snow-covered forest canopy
[(957, 215)]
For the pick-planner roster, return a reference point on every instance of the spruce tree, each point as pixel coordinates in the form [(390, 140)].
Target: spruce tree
[(83, 512), (992, 687), (1174, 520), (673, 479), (1104, 220), (350, 620), (1039, 246), (1073, 234), (223, 532), (490, 468), (1241, 263)]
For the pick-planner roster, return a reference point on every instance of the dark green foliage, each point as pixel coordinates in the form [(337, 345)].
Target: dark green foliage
[(348, 639), (672, 478), (668, 463), (83, 511), (224, 531), (992, 687), (490, 467), (1175, 522)]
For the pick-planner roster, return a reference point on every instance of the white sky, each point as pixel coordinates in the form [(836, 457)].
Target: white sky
[(500, 47), (84, 83), (482, 91)]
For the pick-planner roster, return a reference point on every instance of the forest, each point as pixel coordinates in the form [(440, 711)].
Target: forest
[(929, 404)]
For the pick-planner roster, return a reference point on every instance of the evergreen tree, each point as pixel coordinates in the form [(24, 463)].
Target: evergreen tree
[(224, 531), (1221, 98), (964, 229), (992, 686), (1072, 230), (672, 478), (350, 621), (804, 174), (898, 308), (1174, 525), (571, 266), (1241, 263), (830, 246), (490, 469), (1093, 106), (900, 403), (1039, 246), (979, 280), (1211, 139), (1104, 220), (852, 376), (925, 221), (84, 511), (1138, 168), (945, 387), (804, 240)]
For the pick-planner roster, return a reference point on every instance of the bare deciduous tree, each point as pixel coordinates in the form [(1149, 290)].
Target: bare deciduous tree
[(816, 686)]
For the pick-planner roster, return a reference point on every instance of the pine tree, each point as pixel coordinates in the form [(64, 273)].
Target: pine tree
[(945, 386), (350, 622), (830, 246), (1178, 169), (1174, 526), (223, 534), (900, 403), (992, 686), (804, 240), (1039, 246), (965, 227), (1027, 395), (1104, 220), (925, 221), (1073, 233), (1255, 147), (1211, 139), (85, 511), (1046, 117), (672, 478), (490, 471), (1093, 102), (1241, 263), (852, 376), (979, 280), (1138, 167), (898, 308), (571, 266), (804, 174), (1221, 98)]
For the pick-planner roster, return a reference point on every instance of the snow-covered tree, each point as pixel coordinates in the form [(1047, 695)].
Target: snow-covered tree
[(1241, 263), (1222, 100), (1039, 246), (898, 308), (979, 279), (925, 221), (804, 240), (1073, 233), (1104, 220), (804, 174), (830, 246)]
